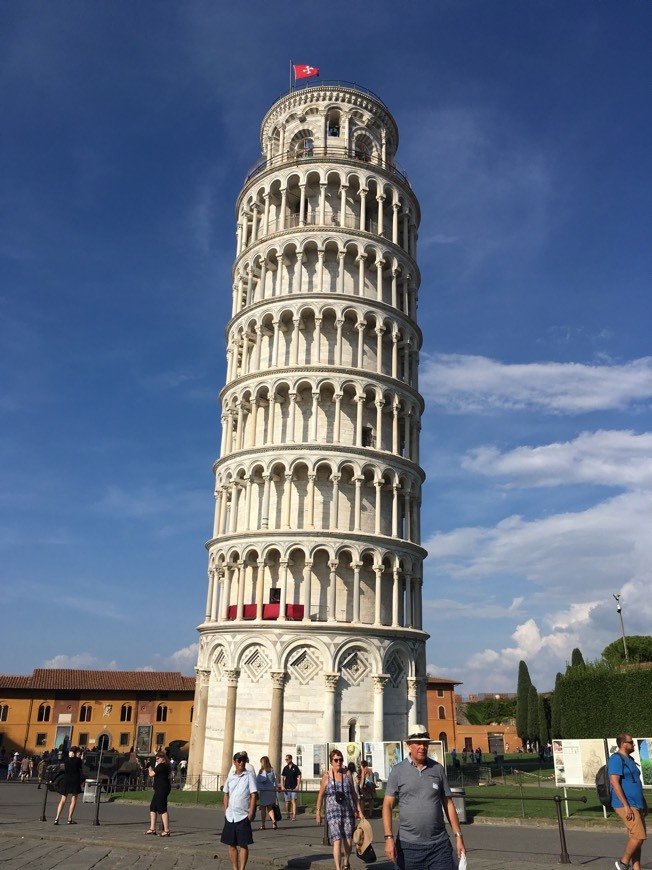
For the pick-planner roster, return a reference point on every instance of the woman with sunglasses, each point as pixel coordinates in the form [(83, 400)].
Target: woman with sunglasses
[(342, 802)]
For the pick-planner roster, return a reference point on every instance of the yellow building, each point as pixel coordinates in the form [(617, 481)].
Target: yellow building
[(106, 710)]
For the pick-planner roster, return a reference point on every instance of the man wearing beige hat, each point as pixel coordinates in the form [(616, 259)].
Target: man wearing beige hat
[(424, 796)]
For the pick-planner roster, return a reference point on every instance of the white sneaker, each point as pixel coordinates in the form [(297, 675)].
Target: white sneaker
[(620, 866)]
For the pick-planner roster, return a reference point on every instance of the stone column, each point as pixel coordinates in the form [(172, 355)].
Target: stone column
[(409, 614), (287, 500), (337, 417), (330, 685), (322, 204), (198, 727), (379, 424), (396, 595), (360, 326), (307, 591), (228, 572), (358, 421), (380, 330), (229, 721), (292, 416), (311, 500), (335, 478), (361, 260), (284, 590), (313, 420), (395, 489), (380, 199), (275, 746), (356, 590), (209, 596), (378, 598), (357, 505), (241, 590), (298, 271), (215, 597), (317, 341), (341, 256), (379, 504), (266, 491), (395, 208), (379, 681), (320, 270), (412, 703), (260, 588), (331, 591)]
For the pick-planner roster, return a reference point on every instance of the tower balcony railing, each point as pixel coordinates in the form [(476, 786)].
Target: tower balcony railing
[(331, 152)]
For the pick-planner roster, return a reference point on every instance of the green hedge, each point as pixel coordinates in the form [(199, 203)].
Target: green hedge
[(600, 700)]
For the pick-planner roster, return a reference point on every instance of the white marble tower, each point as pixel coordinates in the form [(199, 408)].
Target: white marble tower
[(313, 626)]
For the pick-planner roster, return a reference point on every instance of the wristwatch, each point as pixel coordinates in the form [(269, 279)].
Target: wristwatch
[(458, 833)]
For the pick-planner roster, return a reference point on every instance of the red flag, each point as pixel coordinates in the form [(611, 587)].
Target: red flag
[(303, 71)]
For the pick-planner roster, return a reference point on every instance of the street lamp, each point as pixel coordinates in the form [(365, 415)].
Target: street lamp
[(619, 611)]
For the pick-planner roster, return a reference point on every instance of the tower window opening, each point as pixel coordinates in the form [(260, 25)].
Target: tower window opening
[(367, 436)]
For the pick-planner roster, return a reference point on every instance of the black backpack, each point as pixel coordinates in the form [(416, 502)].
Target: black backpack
[(603, 785)]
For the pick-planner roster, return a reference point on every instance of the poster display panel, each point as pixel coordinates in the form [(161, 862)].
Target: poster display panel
[(311, 759), (437, 752), (642, 755), (576, 762), (383, 756)]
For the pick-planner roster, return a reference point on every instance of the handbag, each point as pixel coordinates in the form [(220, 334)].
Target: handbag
[(276, 813), (368, 856)]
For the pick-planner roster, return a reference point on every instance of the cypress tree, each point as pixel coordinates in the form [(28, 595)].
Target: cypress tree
[(542, 716), (577, 659), (533, 714), (522, 694), (555, 709)]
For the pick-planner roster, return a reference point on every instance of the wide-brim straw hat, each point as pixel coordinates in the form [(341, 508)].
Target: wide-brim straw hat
[(362, 836)]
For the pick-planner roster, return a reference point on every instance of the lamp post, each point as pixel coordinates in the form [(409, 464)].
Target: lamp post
[(619, 611)]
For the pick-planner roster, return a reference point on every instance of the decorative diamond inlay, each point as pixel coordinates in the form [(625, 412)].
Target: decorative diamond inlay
[(396, 671), (355, 667), (304, 666), (218, 663), (256, 665)]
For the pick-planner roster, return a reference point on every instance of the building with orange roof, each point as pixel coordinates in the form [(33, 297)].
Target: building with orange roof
[(110, 710)]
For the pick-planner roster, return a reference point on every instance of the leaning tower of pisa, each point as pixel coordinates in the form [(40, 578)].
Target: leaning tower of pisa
[(313, 622)]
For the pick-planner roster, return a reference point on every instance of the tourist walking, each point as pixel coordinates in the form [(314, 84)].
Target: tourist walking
[(342, 802), (628, 801), (367, 788), (71, 784), (160, 774), (239, 804), (290, 783), (424, 796), (266, 783)]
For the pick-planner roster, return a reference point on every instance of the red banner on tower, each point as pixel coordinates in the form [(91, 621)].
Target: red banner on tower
[(303, 71)]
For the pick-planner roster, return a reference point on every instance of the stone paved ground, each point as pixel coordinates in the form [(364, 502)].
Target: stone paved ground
[(119, 841)]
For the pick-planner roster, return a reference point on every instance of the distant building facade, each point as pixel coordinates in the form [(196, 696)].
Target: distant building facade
[(111, 710)]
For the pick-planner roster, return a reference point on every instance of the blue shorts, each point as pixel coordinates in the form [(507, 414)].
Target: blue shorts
[(289, 796), (237, 833), (425, 856)]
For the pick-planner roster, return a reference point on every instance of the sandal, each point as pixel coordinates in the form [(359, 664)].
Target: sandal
[(150, 831), (164, 834), (262, 828), (274, 827), (70, 822)]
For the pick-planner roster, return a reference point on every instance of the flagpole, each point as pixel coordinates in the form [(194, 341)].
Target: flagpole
[(291, 88)]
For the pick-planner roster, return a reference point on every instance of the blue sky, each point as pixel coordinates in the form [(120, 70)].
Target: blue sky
[(127, 130)]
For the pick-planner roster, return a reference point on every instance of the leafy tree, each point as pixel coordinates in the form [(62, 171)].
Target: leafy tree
[(577, 659), (555, 709), (522, 698), (533, 714), (639, 648), (543, 709), (491, 710)]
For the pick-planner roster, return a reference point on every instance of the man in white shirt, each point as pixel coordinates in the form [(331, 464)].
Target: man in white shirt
[(239, 804)]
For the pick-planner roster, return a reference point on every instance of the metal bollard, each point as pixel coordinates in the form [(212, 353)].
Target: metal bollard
[(45, 800), (563, 858), (98, 791)]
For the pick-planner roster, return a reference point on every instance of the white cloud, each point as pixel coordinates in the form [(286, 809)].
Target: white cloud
[(462, 384), (184, 659), (81, 661), (607, 458), (586, 548)]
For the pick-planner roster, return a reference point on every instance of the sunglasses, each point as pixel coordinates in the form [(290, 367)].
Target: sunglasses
[(240, 758)]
